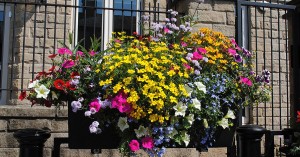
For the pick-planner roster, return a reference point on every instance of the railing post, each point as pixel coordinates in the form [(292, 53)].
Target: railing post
[(31, 141), (249, 140)]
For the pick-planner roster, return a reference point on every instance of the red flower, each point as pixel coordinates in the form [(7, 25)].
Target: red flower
[(22, 95), (73, 74), (69, 86), (48, 103), (59, 84), (52, 69), (298, 117), (52, 56)]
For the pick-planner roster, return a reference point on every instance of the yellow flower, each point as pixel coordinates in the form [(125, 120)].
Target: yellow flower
[(171, 73), (117, 87), (173, 99), (130, 71)]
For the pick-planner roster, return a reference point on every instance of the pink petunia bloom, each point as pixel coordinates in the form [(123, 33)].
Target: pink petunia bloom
[(183, 44), (147, 142), (68, 64), (232, 52), (235, 44), (166, 30), (246, 81), (79, 53), (92, 53), (197, 56), (120, 102), (63, 51), (134, 145), (201, 50), (95, 105), (187, 66)]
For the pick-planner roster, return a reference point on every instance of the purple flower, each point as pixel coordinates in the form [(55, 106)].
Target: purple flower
[(87, 113), (75, 105), (167, 20), (173, 19), (197, 72), (238, 58)]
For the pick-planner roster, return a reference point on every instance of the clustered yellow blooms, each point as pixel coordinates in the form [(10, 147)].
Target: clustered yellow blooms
[(216, 45), (149, 72)]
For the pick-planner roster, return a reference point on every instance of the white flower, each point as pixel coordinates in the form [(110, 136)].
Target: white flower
[(230, 114), (142, 131), (186, 139), (223, 123), (196, 103), (87, 113), (205, 124), (180, 109), (34, 84), (42, 92), (190, 118), (188, 89), (122, 123), (200, 86), (173, 133)]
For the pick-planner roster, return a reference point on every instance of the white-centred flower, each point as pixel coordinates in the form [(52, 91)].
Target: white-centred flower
[(42, 92), (180, 109), (33, 84), (200, 86), (196, 103), (122, 123), (190, 118), (223, 123), (230, 114), (142, 131), (188, 89), (186, 139)]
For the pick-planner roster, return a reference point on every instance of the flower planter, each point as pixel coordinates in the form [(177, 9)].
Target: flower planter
[(81, 138), (224, 137)]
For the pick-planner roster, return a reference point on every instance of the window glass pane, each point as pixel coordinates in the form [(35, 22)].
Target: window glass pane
[(125, 20), (1, 38), (89, 21), (125, 4)]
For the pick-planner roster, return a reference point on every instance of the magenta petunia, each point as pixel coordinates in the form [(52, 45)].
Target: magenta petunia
[(95, 105), (79, 53), (201, 50), (166, 30), (120, 102), (246, 81), (92, 53), (197, 56), (134, 145), (232, 52), (63, 51), (68, 63), (147, 142)]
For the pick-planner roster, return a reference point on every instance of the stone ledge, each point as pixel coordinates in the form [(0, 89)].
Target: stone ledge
[(12, 111)]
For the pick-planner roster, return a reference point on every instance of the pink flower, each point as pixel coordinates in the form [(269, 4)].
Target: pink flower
[(120, 102), (92, 53), (95, 105), (183, 44), (147, 142), (246, 81), (197, 56), (166, 30), (187, 66), (201, 50), (63, 51), (232, 52), (79, 53), (134, 145), (68, 63), (235, 44)]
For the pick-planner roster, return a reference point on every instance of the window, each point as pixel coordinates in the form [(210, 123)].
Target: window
[(102, 17), (4, 41)]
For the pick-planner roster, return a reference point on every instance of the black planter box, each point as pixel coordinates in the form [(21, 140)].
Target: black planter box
[(81, 138)]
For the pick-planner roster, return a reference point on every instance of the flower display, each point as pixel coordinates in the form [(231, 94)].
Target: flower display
[(169, 88)]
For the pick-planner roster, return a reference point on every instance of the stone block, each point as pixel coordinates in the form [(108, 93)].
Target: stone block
[(15, 124), (212, 17), (228, 31), (230, 16), (9, 152), (8, 140), (59, 126), (3, 125), (224, 6)]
